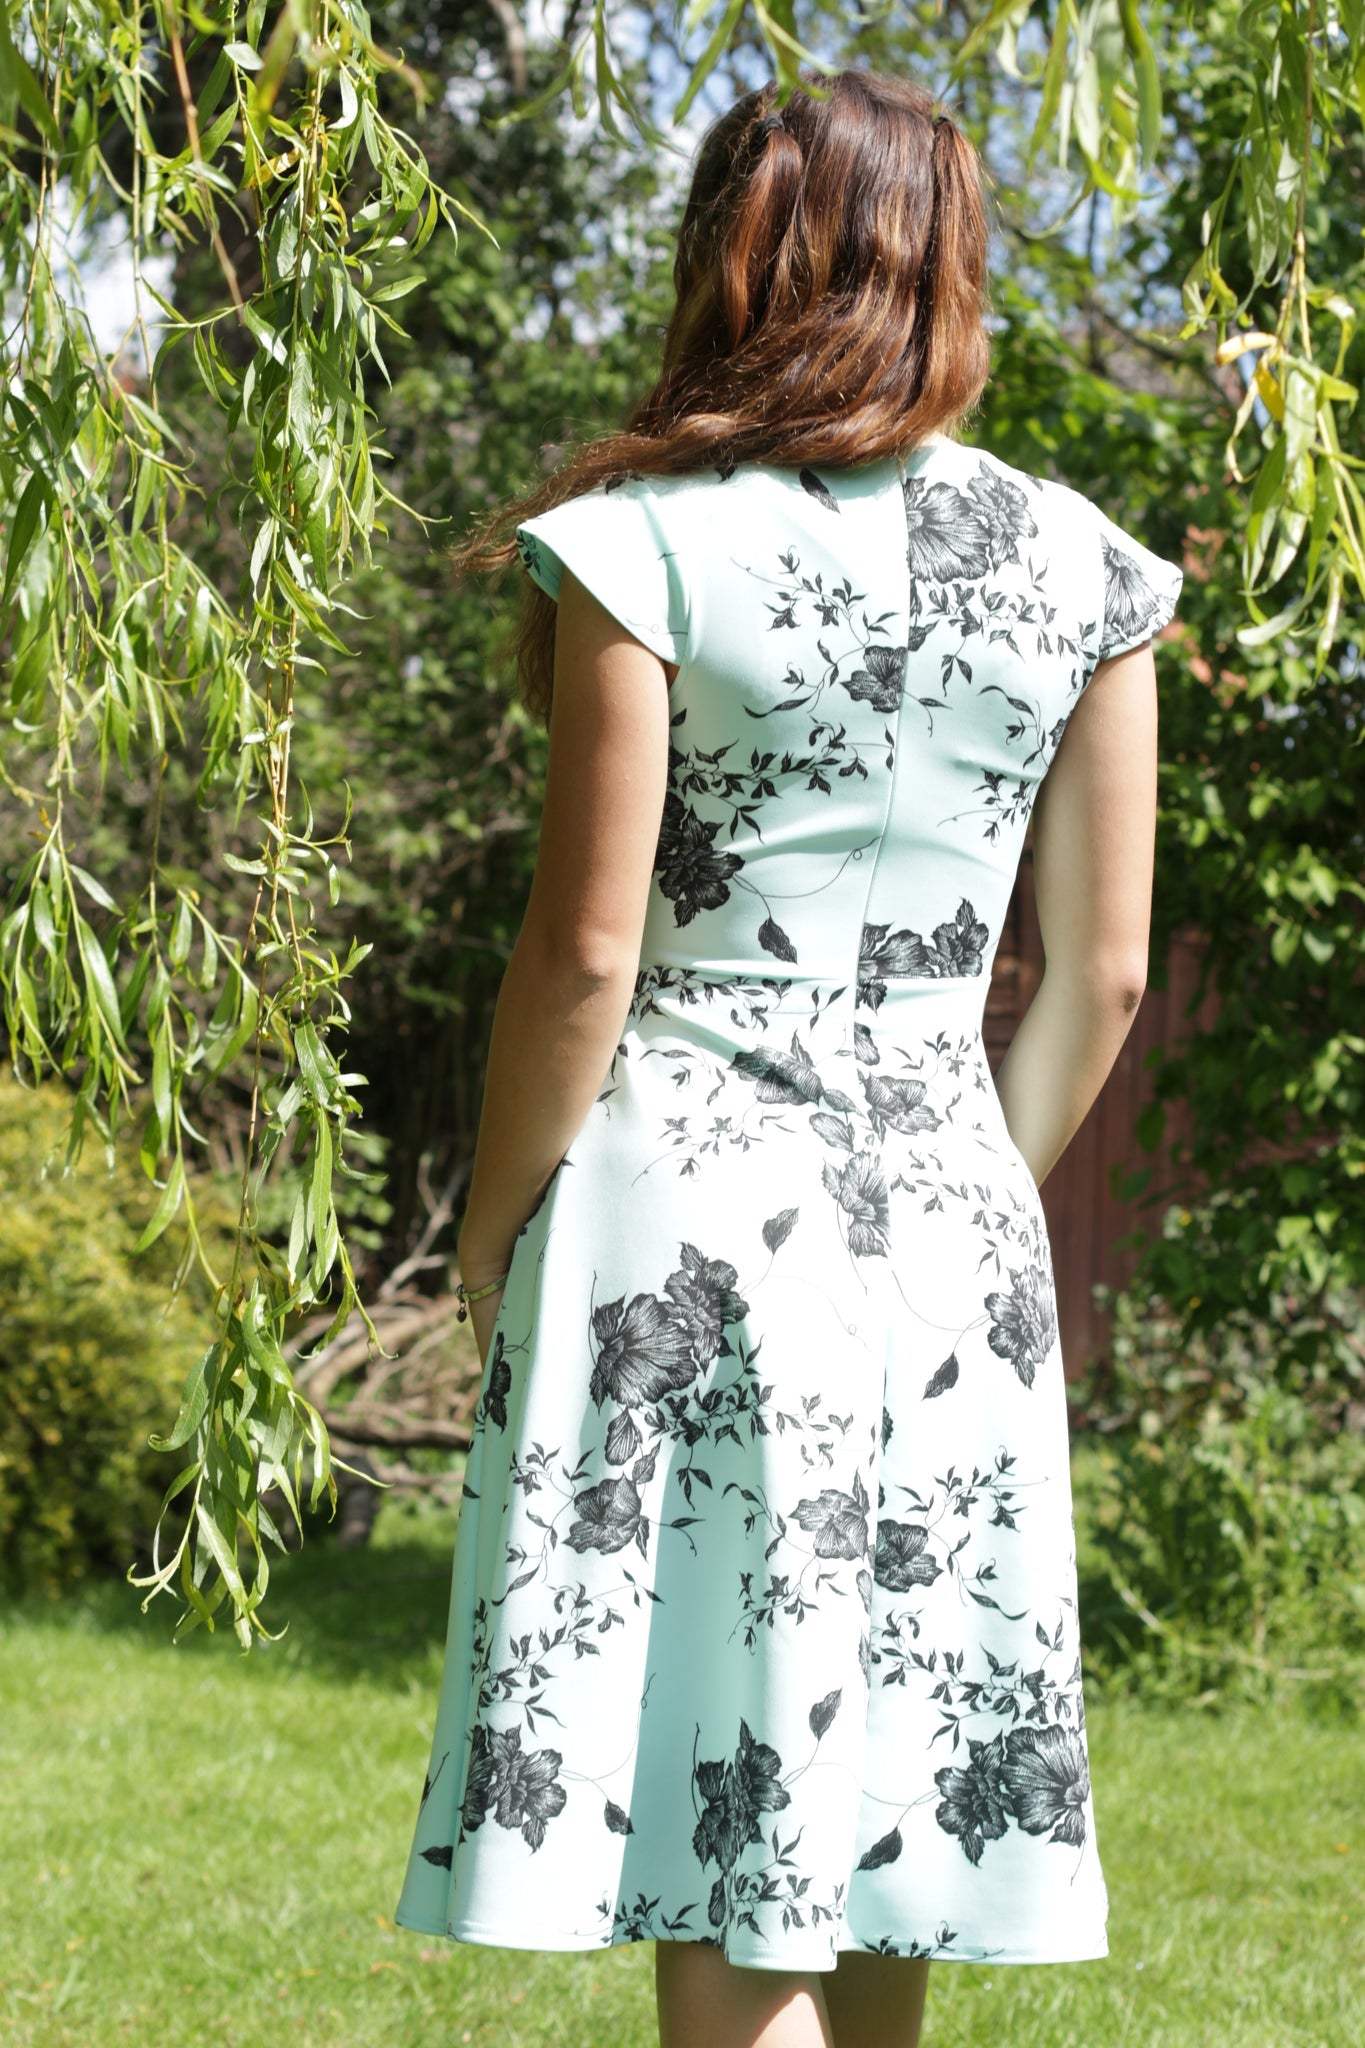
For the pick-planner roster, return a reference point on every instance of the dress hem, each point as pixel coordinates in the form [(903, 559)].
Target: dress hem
[(746, 1956)]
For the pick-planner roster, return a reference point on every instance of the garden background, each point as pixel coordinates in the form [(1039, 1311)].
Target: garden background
[(252, 725)]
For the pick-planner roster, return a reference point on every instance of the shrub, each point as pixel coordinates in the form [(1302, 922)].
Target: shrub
[(1220, 1505), (90, 1361)]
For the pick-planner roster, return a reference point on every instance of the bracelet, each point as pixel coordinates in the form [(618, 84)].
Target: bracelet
[(464, 1295)]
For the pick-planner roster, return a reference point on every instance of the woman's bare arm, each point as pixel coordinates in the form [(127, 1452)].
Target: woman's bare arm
[(568, 985), (1094, 829)]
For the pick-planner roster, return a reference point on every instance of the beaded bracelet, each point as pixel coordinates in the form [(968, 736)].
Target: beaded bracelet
[(464, 1295)]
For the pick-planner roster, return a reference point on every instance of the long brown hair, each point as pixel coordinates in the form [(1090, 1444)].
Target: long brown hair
[(831, 291)]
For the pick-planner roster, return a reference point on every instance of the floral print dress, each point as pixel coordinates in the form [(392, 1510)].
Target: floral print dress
[(763, 1624)]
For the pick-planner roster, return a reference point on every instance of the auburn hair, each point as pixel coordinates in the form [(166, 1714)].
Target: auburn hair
[(830, 283)]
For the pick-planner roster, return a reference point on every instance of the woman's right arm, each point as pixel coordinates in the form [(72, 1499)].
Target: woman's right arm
[(1094, 831)]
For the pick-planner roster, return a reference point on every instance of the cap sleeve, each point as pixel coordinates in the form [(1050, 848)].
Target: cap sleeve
[(615, 542), (1140, 590)]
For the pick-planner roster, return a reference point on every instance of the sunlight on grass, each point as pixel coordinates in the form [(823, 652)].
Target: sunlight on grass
[(148, 1896)]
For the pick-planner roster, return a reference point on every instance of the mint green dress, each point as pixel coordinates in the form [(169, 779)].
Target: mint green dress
[(763, 1625)]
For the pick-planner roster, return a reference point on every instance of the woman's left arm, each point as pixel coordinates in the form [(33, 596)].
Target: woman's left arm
[(567, 988)]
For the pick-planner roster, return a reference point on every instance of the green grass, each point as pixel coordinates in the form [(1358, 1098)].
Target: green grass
[(197, 1848)]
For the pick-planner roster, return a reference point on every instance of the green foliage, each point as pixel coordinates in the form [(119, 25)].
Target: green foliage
[(192, 612), (1287, 88), (90, 1360), (1221, 1505)]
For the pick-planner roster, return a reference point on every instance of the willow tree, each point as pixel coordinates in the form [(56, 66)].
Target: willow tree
[(279, 129)]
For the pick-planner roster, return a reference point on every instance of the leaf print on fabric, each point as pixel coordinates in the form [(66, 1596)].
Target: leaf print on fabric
[(822, 1714), (943, 1379), (837, 1520), (779, 1228), (644, 1351), (865, 1049), (703, 1293), (821, 492), (882, 1852), (498, 1385), (522, 1788), (691, 873), (1047, 1779), (786, 1076), (610, 1515), (881, 681), (902, 1559), (774, 940), (1130, 602), (864, 1198), (947, 539), (1005, 512), (1023, 1321), (973, 1804)]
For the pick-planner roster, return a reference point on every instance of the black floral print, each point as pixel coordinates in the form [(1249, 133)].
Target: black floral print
[(949, 540), (973, 1804), (522, 1790), (1023, 1321), (881, 681), (903, 1557), (497, 1385), (954, 948), (764, 1594), (691, 873), (1047, 1778), (644, 1350), (838, 1521), (1131, 605)]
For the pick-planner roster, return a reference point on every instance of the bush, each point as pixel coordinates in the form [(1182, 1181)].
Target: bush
[(1220, 1506), (90, 1361)]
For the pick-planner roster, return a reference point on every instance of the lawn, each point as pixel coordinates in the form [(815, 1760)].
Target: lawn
[(199, 1848)]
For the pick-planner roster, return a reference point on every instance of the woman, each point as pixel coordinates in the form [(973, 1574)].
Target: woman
[(763, 1639)]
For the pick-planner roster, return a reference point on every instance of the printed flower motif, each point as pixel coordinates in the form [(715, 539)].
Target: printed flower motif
[(1047, 1781), (691, 873), (947, 538), (609, 1517), (1024, 1321), (898, 1104), (786, 1076), (881, 681), (884, 955), (837, 1520), (704, 1292), (521, 1788), (644, 1351), (1130, 602), (1004, 509), (973, 1805), (958, 946), (498, 1385), (736, 1794), (861, 1192), (902, 1560)]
